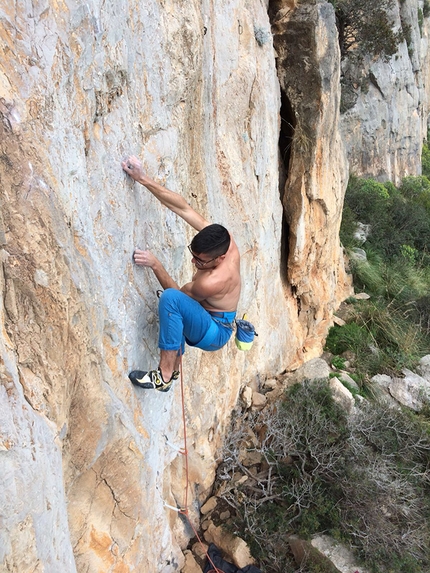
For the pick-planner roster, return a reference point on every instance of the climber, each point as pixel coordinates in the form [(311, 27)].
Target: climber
[(202, 312)]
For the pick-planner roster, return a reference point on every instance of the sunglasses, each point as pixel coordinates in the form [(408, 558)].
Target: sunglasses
[(199, 261)]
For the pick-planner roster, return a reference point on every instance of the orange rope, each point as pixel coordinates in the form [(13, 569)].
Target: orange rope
[(184, 511), (185, 451)]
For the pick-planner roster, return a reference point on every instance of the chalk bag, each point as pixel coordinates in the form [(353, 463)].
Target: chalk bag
[(245, 333)]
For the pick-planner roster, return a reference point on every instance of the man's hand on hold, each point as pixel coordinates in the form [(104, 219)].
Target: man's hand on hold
[(133, 167), (145, 259)]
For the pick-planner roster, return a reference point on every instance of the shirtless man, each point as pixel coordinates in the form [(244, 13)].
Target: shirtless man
[(202, 312)]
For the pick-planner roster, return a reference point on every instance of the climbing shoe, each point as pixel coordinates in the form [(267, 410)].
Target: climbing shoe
[(152, 380)]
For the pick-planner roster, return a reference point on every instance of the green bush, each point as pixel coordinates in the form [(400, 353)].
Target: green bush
[(425, 161), (338, 362), (366, 196), (366, 32), (396, 217), (351, 336), (365, 28), (417, 189)]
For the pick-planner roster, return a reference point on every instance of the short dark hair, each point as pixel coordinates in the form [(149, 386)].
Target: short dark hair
[(213, 240)]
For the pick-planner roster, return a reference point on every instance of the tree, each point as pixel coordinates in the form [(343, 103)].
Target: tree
[(365, 28)]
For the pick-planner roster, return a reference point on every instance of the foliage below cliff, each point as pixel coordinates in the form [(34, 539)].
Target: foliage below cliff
[(362, 478), (390, 261)]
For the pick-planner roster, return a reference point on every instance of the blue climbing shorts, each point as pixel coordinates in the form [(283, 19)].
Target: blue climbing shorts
[(183, 319)]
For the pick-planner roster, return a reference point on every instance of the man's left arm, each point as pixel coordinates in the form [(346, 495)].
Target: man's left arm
[(173, 201)]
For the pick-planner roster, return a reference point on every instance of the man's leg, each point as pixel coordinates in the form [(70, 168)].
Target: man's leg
[(180, 317), (169, 362)]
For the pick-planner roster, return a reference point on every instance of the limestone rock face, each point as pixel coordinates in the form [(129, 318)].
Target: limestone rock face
[(88, 463), (306, 43), (384, 130)]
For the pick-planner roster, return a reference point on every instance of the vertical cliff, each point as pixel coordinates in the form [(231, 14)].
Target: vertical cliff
[(313, 157), (193, 89), (385, 127)]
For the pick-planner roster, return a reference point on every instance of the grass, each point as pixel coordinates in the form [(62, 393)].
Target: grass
[(392, 329)]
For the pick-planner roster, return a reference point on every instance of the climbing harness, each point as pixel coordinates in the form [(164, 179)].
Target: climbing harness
[(245, 330), (184, 452)]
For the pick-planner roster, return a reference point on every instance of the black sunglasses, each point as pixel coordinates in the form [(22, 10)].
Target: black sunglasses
[(200, 261)]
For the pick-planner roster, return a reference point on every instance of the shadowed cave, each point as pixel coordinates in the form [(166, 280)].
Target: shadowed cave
[(288, 124)]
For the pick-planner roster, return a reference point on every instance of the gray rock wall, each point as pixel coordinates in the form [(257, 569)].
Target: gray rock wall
[(384, 131), (86, 469), (191, 88)]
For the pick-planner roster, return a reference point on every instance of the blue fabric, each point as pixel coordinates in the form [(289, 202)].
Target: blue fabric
[(245, 331), (183, 319)]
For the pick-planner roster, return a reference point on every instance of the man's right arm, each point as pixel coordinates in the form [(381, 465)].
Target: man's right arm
[(147, 259), (133, 167)]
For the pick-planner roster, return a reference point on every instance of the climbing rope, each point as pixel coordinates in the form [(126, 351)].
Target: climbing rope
[(184, 452)]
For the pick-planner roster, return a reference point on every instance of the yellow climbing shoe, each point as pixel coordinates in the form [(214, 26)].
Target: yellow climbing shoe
[(152, 380)]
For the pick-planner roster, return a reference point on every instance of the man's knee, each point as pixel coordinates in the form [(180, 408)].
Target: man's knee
[(169, 298)]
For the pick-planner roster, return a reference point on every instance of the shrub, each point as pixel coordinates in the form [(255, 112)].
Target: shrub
[(366, 32), (396, 217), (409, 253), (366, 201), (348, 337), (338, 362), (363, 479), (417, 189), (365, 28), (425, 161)]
